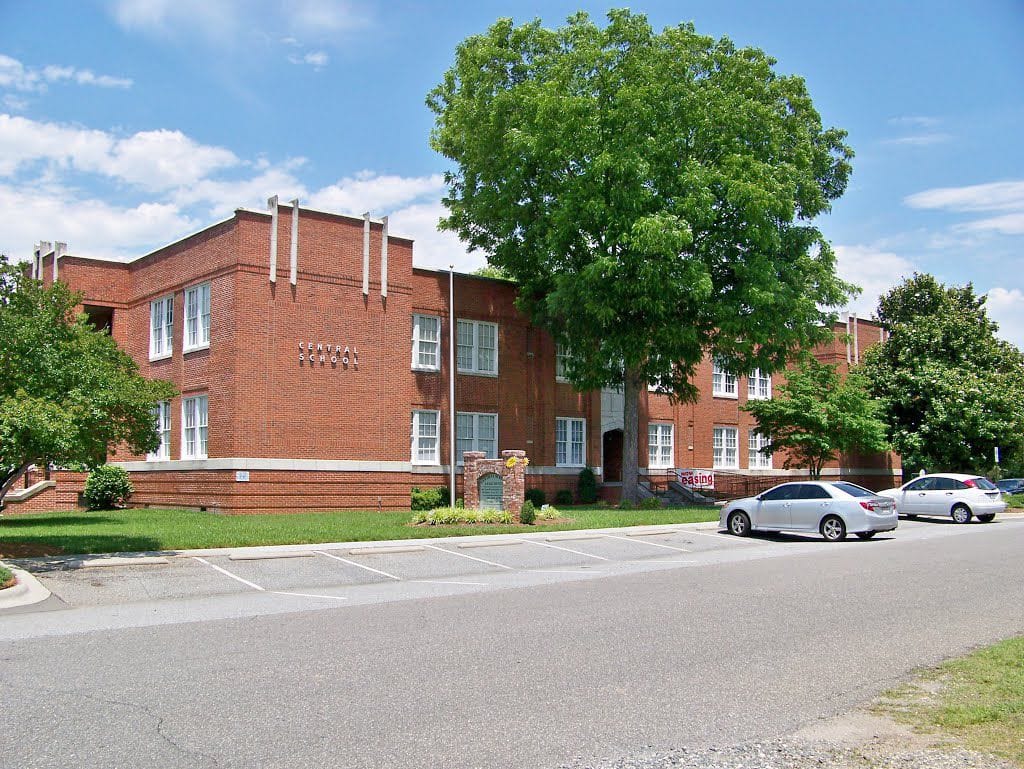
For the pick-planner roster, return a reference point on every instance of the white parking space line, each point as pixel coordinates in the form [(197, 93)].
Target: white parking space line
[(446, 582), (728, 537), (566, 549), (227, 573), (645, 542), (470, 557), (580, 570), (311, 595), (359, 565)]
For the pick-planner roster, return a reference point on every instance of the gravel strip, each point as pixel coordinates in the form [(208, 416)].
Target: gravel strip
[(786, 754)]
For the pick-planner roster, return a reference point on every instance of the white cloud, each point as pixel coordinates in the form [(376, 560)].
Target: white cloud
[(154, 160), (367, 191), (920, 140), (433, 247), (214, 21), (16, 76), (874, 270), (1006, 307), (317, 59), (994, 196)]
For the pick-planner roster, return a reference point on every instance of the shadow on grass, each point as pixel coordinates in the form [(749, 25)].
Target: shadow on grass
[(62, 520), (51, 553)]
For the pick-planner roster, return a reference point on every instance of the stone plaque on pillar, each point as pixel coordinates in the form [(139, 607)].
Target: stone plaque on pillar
[(496, 484)]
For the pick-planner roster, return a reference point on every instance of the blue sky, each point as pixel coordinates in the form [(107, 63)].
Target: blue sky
[(126, 124)]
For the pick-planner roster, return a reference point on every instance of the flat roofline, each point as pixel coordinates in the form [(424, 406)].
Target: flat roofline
[(442, 271), (284, 207)]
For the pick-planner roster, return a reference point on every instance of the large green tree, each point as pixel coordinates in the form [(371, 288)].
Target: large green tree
[(652, 194), (817, 415), (68, 394), (952, 390)]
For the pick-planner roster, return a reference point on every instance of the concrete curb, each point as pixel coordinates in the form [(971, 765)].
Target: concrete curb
[(27, 590)]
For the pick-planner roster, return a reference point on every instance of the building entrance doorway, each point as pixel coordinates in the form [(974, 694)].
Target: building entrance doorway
[(612, 456)]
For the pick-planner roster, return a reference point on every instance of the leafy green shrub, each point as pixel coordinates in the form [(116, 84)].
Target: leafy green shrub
[(528, 513), (107, 487), (626, 505), (428, 499), (563, 497), (650, 503), (536, 496), (446, 516), (6, 577), (586, 486), (548, 513)]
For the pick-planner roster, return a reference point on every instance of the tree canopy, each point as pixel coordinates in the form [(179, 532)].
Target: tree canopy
[(68, 394), (952, 390), (652, 194), (817, 415)]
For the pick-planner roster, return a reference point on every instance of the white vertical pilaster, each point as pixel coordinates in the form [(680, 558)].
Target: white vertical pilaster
[(366, 254), (294, 262), (384, 260), (45, 247), (58, 251), (856, 342), (272, 205)]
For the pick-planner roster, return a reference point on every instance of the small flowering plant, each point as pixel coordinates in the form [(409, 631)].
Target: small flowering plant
[(513, 461)]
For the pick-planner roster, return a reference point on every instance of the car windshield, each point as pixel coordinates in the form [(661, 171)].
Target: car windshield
[(853, 489), (985, 483)]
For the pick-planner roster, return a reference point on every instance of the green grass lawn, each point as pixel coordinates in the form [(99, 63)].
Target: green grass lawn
[(1014, 500), (978, 699), (110, 531)]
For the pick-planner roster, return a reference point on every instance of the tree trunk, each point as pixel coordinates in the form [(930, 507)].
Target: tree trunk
[(10, 480), (631, 436)]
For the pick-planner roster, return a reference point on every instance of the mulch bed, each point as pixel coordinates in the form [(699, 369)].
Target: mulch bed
[(28, 550)]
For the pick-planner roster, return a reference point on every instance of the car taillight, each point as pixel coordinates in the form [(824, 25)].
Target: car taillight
[(872, 506), (969, 484)]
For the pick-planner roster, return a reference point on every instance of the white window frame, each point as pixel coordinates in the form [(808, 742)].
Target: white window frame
[(561, 355), (162, 416), (475, 347), (720, 448), (660, 445), (161, 327), (759, 386), (195, 416), (416, 437), (755, 459), (723, 383), (201, 319), (570, 426), (473, 418), (421, 345)]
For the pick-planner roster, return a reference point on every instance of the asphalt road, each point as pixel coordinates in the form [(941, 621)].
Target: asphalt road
[(717, 651)]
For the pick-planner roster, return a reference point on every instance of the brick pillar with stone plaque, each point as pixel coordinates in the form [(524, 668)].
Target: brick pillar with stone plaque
[(495, 483)]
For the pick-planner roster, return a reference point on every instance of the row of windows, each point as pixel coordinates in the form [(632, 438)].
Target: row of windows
[(725, 449), (724, 384), (477, 345), (197, 322), (194, 422)]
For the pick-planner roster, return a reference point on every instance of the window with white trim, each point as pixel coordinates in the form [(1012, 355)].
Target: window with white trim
[(426, 342), (725, 448), (477, 347), (476, 432), (659, 445), (755, 442), (570, 442), (561, 362), (161, 327), (197, 317), (194, 420), (723, 383), (426, 437), (759, 386), (162, 417)]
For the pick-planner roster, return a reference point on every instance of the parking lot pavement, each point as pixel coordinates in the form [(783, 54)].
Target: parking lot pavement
[(363, 572)]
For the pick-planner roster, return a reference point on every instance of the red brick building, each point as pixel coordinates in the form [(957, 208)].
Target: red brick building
[(313, 366)]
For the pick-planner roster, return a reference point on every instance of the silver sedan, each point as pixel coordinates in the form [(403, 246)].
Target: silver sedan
[(831, 508)]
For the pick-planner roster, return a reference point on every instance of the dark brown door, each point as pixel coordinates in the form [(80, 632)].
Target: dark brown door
[(613, 456)]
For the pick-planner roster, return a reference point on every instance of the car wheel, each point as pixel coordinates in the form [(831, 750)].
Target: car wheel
[(961, 513), (739, 524), (987, 517), (866, 534), (833, 529)]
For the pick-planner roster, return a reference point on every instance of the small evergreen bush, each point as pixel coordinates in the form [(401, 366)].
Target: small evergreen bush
[(428, 499), (563, 497), (107, 487), (536, 496), (626, 505), (586, 486), (650, 503), (528, 514)]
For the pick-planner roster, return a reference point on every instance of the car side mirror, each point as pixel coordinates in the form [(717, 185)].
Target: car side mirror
[(759, 497)]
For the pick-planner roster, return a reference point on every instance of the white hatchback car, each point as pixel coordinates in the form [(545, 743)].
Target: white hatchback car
[(831, 508), (954, 494)]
